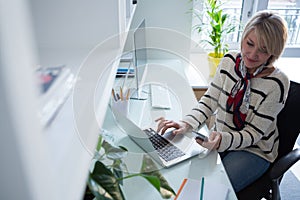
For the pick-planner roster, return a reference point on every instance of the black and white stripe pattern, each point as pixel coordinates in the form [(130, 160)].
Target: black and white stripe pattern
[(260, 134)]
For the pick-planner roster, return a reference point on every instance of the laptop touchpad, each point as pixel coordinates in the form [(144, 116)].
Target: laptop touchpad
[(175, 139)]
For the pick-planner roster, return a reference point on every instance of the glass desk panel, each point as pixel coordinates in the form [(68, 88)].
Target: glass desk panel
[(141, 113)]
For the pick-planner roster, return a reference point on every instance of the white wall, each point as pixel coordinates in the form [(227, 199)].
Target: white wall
[(65, 31), (174, 20), (25, 172)]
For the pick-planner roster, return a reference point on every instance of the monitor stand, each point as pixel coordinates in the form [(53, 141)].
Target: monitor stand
[(139, 94)]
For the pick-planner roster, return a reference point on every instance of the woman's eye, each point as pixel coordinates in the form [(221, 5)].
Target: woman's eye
[(263, 50), (249, 44)]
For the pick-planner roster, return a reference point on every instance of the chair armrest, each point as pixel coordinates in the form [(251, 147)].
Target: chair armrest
[(284, 163)]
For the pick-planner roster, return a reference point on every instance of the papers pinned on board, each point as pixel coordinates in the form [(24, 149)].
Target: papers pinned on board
[(55, 84)]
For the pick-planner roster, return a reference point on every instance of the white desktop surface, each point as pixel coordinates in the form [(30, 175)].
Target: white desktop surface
[(143, 115)]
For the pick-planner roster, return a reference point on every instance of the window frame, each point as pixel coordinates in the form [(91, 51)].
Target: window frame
[(249, 7)]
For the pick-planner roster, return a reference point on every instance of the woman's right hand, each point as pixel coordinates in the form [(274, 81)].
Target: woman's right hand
[(164, 124)]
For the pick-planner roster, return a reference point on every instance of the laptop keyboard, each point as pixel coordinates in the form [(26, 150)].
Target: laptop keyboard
[(165, 149)]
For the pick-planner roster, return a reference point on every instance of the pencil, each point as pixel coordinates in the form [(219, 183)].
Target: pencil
[(180, 189), (114, 95), (121, 94), (127, 95)]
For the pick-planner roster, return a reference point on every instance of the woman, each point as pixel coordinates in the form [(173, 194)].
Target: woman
[(245, 95)]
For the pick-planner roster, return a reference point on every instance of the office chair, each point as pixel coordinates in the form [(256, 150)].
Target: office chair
[(288, 124)]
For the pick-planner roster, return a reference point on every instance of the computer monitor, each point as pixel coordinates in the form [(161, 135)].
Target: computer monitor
[(140, 59), (139, 40)]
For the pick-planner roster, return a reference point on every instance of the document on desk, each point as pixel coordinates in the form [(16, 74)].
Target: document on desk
[(160, 97), (203, 189)]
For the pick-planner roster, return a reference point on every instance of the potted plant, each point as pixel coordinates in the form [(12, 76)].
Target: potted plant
[(108, 172), (216, 25)]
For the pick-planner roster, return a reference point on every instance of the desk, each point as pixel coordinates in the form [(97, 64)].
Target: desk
[(140, 112)]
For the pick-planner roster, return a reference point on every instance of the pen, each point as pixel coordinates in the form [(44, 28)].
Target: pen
[(118, 97), (202, 188)]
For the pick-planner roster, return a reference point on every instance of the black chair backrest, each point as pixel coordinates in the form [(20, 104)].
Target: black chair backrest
[(288, 121)]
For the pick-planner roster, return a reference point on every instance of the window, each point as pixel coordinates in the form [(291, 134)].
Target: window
[(290, 9), (242, 10)]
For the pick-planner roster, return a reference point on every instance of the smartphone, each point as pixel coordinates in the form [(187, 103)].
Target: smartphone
[(200, 136)]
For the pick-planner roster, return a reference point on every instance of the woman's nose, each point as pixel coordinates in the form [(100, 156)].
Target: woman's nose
[(254, 54)]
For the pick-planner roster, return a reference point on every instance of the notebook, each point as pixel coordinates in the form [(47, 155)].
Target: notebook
[(181, 145), (160, 97)]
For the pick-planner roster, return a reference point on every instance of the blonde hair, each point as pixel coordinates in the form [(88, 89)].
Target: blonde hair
[(271, 31)]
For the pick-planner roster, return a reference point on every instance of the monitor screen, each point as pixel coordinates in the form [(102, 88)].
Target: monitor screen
[(140, 50), (140, 58)]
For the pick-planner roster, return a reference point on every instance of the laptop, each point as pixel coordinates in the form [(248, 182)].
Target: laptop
[(167, 149)]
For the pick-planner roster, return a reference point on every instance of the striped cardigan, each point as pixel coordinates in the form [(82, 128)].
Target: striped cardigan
[(260, 134)]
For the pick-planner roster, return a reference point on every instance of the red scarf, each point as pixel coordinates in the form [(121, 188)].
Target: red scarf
[(239, 97), (236, 96)]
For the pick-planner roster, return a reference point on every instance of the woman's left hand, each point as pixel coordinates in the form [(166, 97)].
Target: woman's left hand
[(164, 124), (213, 141)]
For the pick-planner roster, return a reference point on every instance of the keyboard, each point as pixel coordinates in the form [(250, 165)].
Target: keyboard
[(164, 148), (160, 97)]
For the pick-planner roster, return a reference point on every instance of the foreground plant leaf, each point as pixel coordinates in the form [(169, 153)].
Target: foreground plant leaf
[(149, 169), (99, 143), (106, 179), (95, 192), (113, 152)]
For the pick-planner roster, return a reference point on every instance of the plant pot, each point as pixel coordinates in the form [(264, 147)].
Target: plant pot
[(213, 63)]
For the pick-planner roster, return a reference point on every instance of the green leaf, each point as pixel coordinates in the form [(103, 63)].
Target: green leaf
[(94, 189), (106, 179), (150, 169), (99, 144), (224, 17), (153, 180), (118, 168), (113, 152)]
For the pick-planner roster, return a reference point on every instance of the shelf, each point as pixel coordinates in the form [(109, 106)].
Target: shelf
[(56, 84)]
